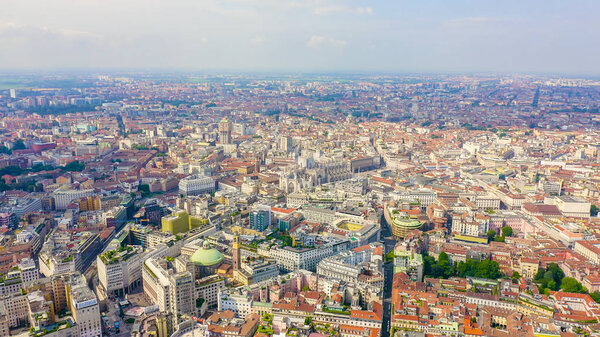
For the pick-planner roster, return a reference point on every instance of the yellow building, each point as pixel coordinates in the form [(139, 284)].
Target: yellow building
[(529, 267), (401, 224), (245, 231), (89, 203), (180, 222)]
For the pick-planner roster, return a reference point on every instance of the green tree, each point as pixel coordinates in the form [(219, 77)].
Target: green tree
[(488, 269), (428, 263), (144, 189), (444, 269), (19, 145), (507, 231), (549, 279), (4, 149), (74, 166), (444, 266), (571, 285), (41, 167), (539, 275), (555, 272), (594, 210), (389, 257), (490, 235), (595, 296), (502, 176), (443, 259), (13, 170), (515, 277)]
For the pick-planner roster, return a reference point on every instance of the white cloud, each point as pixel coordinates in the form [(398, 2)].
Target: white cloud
[(337, 9), (365, 10), (316, 41), (11, 29), (470, 21), (407, 35), (76, 33), (319, 41), (257, 40), (329, 10)]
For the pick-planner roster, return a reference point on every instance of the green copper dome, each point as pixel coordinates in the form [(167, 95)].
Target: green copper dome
[(207, 256)]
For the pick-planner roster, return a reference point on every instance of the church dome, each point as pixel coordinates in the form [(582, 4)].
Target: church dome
[(207, 256)]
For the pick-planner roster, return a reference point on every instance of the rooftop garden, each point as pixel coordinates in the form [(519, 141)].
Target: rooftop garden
[(9, 280), (149, 271), (326, 329), (51, 328), (335, 311), (266, 325), (113, 256)]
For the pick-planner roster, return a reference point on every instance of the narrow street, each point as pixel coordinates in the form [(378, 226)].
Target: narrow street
[(388, 269)]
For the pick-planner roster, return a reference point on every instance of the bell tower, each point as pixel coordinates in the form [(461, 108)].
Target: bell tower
[(236, 253)]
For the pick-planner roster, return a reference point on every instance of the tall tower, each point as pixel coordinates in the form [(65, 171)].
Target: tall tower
[(224, 131), (236, 253), (285, 143)]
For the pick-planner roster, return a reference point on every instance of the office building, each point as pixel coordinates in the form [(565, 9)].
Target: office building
[(120, 271), (260, 219), (196, 184), (224, 132)]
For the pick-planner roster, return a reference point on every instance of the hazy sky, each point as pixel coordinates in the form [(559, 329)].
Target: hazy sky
[(555, 36)]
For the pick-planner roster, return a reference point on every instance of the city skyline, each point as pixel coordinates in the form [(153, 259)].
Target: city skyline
[(299, 206)]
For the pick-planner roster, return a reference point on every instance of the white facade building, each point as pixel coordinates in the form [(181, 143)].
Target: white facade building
[(62, 198), (196, 184), (122, 273), (291, 259), (172, 291), (85, 310)]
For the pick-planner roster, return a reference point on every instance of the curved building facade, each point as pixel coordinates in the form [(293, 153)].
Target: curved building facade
[(400, 223)]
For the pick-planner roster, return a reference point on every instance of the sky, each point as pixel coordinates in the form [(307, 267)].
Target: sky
[(463, 36)]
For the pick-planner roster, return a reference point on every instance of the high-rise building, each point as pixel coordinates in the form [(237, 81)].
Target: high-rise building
[(224, 131), (84, 307), (285, 143), (138, 235), (172, 290), (260, 219), (120, 271), (129, 205), (13, 93), (152, 211)]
